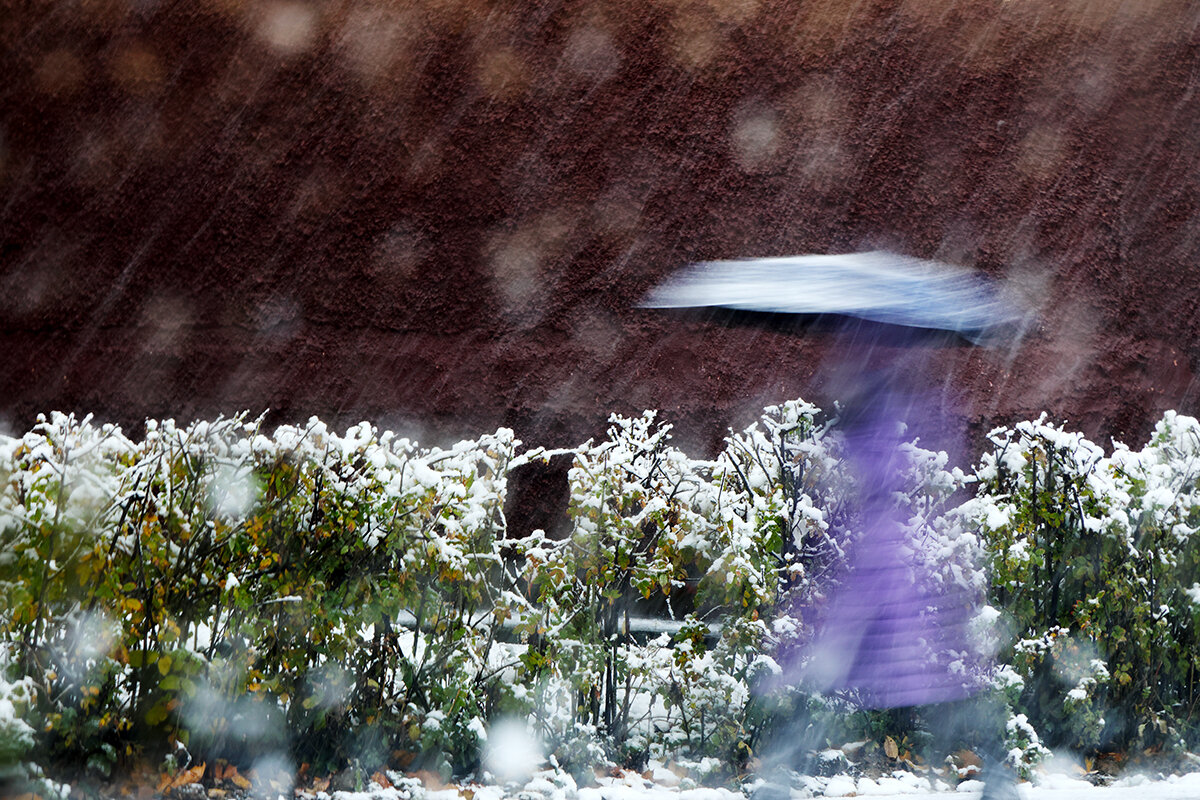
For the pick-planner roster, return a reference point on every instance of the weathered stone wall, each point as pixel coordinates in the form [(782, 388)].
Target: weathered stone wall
[(437, 214)]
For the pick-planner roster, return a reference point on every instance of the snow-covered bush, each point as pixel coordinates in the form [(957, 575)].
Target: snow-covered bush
[(711, 542), (353, 596), (635, 504), (785, 518), (17, 774), (229, 589), (737, 548), (1092, 559), (1023, 750)]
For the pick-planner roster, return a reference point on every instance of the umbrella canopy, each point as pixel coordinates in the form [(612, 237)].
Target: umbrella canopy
[(877, 286)]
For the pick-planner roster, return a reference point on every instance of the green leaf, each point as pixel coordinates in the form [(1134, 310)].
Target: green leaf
[(142, 658), (157, 714)]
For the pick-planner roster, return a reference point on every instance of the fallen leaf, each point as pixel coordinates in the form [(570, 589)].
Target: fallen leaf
[(320, 784), (182, 778), (431, 780), (237, 779), (381, 780), (890, 748), (189, 776)]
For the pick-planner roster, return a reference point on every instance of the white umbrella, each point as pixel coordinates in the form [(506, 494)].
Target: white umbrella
[(878, 286)]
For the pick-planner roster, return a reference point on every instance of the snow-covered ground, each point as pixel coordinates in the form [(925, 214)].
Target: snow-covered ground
[(551, 785)]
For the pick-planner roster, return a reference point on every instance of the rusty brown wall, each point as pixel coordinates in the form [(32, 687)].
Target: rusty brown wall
[(437, 215)]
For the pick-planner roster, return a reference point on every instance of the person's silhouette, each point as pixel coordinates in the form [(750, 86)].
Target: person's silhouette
[(880, 636)]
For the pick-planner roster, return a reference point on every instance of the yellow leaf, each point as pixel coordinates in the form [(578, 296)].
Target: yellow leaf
[(184, 777), (238, 780), (164, 665), (890, 748)]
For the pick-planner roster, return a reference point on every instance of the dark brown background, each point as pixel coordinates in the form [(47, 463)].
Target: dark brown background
[(438, 215)]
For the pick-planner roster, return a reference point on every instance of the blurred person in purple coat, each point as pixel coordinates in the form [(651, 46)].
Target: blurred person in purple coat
[(877, 635)]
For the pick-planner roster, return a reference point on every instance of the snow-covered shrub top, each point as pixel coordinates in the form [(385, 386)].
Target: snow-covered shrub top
[(216, 560), (1093, 558), (330, 583), (16, 736), (736, 547)]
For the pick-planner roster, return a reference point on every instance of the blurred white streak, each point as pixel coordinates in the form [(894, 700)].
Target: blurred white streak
[(755, 138), (288, 27), (332, 685), (512, 752), (233, 491), (590, 52), (878, 286), (86, 638), (274, 775)]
